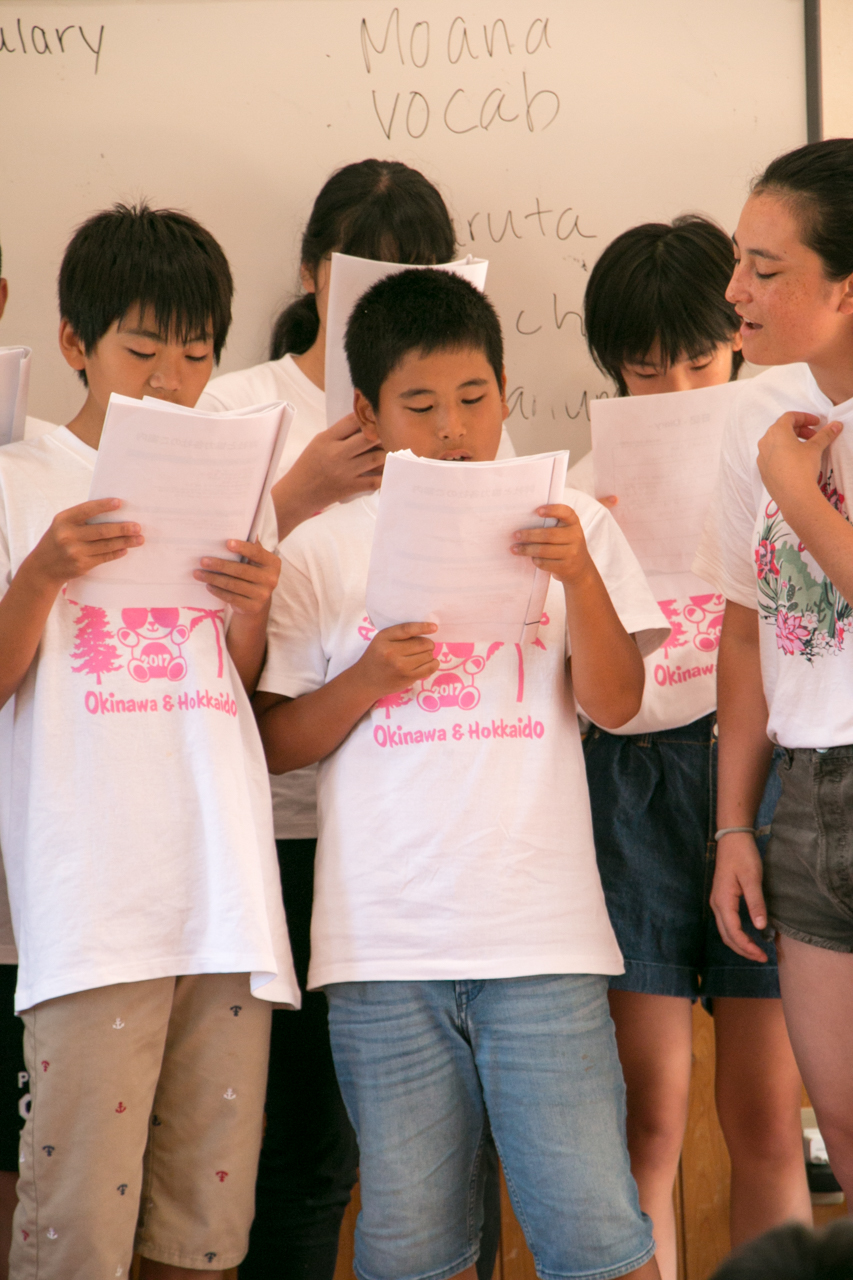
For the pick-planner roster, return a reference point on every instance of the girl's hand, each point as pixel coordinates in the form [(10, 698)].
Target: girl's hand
[(247, 587), (790, 454), (337, 464), (397, 657), (71, 546), (561, 549), (738, 875)]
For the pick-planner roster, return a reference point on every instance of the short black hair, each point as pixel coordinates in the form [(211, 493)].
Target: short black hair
[(158, 258), (663, 282), (794, 1252), (420, 310)]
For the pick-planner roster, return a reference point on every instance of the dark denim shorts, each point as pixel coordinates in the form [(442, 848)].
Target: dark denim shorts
[(654, 813), (808, 872)]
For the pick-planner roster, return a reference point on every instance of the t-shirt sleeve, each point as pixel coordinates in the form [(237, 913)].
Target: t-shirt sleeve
[(725, 556), (626, 584), (296, 661)]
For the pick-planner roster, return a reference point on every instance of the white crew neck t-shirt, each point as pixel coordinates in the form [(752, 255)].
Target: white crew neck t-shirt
[(681, 676), (134, 803), (294, 795), (455, 832), (755, 559)]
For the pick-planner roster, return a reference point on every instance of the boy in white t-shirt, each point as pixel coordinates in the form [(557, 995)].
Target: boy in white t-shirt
[(134, 811), (459, 924)]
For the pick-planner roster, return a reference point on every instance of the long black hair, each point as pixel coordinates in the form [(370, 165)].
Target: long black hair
[(663, 282), (817, 179), (378, 209)]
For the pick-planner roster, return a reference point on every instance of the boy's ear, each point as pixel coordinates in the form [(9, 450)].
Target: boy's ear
[(71, 347), (4, 294), (845, 306), (504, 405), (737, 341), (363, 410)]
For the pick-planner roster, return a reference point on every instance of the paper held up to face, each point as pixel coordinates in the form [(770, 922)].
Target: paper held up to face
[(350, 278), (659, 456), (191, 480), (441, 551), (14, 388)]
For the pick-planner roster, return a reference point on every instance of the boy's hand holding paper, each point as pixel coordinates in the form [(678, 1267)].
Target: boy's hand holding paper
[(560, 550), (189, 480)]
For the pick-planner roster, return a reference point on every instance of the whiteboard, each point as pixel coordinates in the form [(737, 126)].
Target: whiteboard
[(549, 125)]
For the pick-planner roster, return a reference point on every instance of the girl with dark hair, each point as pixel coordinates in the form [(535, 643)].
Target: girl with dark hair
[(383, 210), (779, 545), (657, 321)]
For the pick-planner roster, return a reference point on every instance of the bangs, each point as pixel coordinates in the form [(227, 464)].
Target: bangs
[(384, 230), (660, 285), (162, 261)]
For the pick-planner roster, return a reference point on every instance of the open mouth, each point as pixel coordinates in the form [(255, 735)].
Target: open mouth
[(456, 455), (749, 326)]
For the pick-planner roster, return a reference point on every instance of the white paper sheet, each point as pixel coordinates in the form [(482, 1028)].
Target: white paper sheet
[(441, 552), (192, 480), (350, 278), (14, 387), (659, 455)]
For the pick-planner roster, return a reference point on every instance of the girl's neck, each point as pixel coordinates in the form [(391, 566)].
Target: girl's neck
[(832, 369), (313, 361)]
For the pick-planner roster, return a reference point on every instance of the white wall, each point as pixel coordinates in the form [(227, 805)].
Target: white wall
[(611, 113), (836, 22)]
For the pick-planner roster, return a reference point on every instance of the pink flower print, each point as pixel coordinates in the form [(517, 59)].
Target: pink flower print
[(97, 656), (765, 558), (791, 632)]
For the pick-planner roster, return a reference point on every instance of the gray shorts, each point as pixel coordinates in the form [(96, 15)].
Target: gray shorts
[(808, 870)]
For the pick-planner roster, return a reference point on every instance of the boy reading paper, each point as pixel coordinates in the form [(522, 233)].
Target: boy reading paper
[(459, 928), (134, 811)]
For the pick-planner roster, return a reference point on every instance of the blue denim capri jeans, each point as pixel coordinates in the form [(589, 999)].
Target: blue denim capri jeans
[(422, 1064)]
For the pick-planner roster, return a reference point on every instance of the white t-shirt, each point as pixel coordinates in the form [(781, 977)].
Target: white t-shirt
[(134, 802), (753, 557), (681, 676), (455, 832), (294, 795)]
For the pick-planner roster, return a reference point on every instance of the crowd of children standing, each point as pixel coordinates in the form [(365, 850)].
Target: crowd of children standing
[(494, 943)]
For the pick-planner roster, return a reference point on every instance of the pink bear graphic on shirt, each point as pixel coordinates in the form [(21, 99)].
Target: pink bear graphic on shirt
[(454, 684), (703, 614), (154, 637)]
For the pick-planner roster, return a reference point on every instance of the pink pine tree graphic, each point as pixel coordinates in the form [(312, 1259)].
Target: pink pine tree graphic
[(98, 657)]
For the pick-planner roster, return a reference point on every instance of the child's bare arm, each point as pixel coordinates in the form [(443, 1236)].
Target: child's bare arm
[(70, 548), (247, 588), (606, 666), (299, 731), (790, 459)]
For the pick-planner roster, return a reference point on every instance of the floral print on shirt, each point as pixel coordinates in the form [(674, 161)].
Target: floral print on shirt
[(810, 617)]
